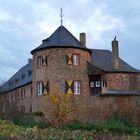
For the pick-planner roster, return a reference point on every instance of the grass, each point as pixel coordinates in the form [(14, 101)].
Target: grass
[(113, 125), (26, 128), (73, 131), (117, 125)]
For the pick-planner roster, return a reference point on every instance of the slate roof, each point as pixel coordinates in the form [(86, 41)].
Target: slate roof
[(103, 59), (20, 78), (60, 38)]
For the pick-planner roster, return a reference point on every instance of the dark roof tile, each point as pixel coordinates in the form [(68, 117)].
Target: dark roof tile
[(60, 38), (17, 80), (103, 59)]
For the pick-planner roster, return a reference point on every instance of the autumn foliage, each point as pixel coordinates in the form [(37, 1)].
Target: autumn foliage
[(60, 107)]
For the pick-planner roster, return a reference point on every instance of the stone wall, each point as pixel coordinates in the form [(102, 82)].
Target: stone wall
[(15, 99), (138, 81), (58, 71), (117, 81), (128, 107), (123, 81)]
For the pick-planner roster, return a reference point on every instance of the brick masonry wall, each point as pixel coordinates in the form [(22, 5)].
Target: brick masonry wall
[(128, 107), (27, 101), (116, 81), (58, 71), (138, 82), (19, 102)]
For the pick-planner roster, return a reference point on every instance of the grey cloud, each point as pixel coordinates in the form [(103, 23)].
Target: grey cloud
[(20, 30)]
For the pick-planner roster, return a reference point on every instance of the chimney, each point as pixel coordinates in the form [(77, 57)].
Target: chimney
[(83, 39), (115, 52), (29, 60)]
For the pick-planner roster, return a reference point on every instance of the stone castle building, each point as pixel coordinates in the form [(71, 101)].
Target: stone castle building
[(101, 78)]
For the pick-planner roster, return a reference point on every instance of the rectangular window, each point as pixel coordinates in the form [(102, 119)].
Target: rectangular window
[(39, 61), (31, 90), (98, 84), (92, 84), (18, 96), (76, 87), (22, 93), (12, 96), (76, 59), (15, 95), (39, 88)]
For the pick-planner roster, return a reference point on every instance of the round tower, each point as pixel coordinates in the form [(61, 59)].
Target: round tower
[(61, 62)]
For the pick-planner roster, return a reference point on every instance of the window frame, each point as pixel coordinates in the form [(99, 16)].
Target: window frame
[(98, 84), (39, 88), (92, 84), (76, 87), (39, 61), (74, 56)]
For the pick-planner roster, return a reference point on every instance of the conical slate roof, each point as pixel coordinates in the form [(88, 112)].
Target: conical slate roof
[(61, 38)]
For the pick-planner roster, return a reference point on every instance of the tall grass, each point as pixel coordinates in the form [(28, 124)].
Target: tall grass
[(115, 124)]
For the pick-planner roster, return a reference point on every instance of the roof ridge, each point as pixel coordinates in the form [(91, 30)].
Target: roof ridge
[(72, 35), (60, 37), (101, 50)]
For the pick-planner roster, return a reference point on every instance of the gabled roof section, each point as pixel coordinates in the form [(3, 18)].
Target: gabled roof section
[(60, 38), (20, 78), (103, 59)]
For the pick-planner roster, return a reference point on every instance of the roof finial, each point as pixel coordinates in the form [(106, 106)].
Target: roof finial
[(61, 15), (115, 38)]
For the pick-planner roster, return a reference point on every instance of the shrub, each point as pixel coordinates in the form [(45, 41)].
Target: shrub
[(42, 124), (26, 121), (30, 121), (77, 124), (116, 124), (38, 113)]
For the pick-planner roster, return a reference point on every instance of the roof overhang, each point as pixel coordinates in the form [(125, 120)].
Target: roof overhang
[(54, 47)]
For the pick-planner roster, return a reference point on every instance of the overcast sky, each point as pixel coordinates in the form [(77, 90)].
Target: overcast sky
[(25, 23)]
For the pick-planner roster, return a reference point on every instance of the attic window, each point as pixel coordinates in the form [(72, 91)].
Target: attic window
[(16, 80), (10, 83), (23, 76), (29, 72)]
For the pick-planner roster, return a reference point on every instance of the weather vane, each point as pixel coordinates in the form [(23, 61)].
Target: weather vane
[(61, 15)]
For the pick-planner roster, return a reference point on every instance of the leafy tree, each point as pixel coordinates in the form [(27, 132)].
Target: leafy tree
[(60, 106)]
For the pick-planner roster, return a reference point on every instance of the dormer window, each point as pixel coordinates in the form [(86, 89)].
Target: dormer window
[(23, 76), (16, 80), (29, 72), (76, 59), (10, 83)]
